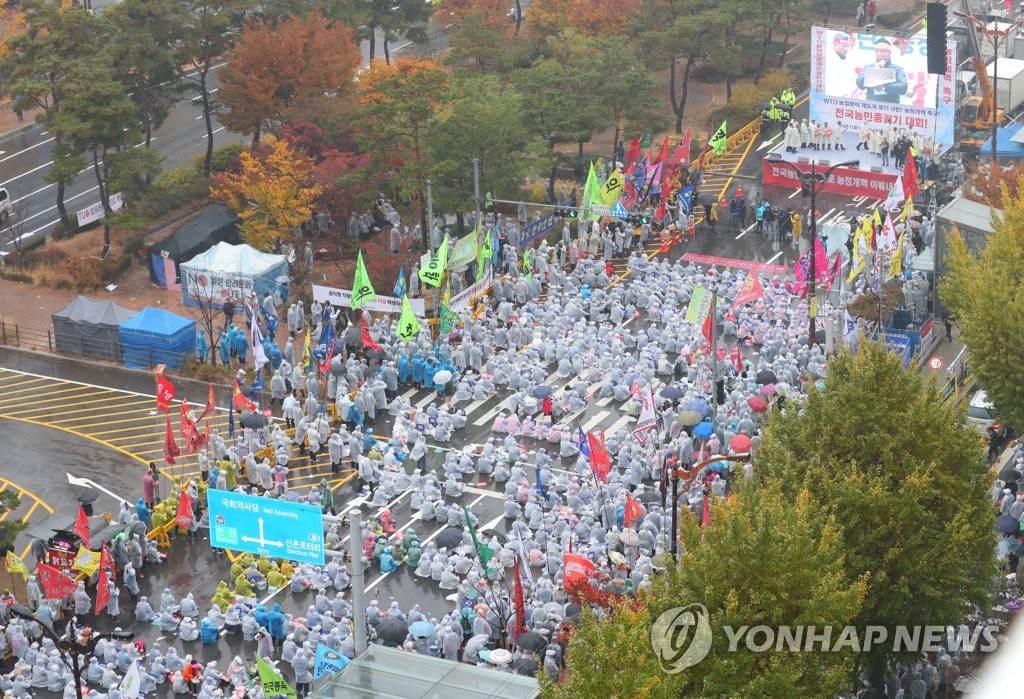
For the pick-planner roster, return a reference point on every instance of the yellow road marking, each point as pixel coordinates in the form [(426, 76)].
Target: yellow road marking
[(53, 400), (33, 379), (8, 399), (138, 418)]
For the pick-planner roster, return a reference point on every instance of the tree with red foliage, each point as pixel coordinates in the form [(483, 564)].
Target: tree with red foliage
[(339, 168)]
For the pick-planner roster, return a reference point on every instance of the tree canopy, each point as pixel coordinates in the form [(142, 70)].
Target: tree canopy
[(985, 295)]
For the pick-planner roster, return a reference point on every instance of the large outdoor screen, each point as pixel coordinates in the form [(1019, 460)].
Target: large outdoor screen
[(880, 79)]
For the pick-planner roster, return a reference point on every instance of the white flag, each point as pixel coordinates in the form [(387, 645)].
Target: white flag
[(887, 240), (895, 195), (132, 682), (648, 419), (259, 357)]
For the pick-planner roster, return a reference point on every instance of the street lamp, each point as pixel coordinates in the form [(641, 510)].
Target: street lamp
[(688, 476), (70, 644), (810, 182)]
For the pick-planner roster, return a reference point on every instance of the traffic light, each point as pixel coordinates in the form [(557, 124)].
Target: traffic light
[(566, 213), (639, 219)]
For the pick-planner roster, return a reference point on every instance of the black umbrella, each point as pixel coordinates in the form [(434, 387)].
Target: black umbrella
[(253, 421), (1009, 474), (392, 630), (672, 393), (572, 611), (1005, 524), (708, 200), (649, 496), (531, 641), (502, 537), (542, 391), (88, 496), (765, 377), (525, 666), (449, 538)]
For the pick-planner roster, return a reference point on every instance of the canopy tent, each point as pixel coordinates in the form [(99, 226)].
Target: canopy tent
[(228, 271), (90, 327), (155, 336), (214, 225)]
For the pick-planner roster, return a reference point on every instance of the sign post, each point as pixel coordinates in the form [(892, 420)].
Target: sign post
[(266, 527)]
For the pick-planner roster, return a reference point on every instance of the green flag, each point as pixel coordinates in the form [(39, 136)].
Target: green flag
[(273, 684), (486, 249), (362, 289), (717, 141), (432, 273), (408, 323), (700, 305), (485, 552), (488, 203), (448, 316), (590, 193)]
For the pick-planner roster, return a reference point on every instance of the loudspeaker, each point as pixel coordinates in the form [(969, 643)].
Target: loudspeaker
[(876, 168), (937, 38), (804, 160)]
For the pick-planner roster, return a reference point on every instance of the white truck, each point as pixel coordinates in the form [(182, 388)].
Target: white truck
[(1007, 76)]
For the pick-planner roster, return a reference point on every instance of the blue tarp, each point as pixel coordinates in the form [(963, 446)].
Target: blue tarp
[(1006, 148), (155, 336)]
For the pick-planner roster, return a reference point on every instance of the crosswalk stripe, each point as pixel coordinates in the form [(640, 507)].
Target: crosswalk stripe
[(620, 423), (426, 401), (486, 417), (595, 421)]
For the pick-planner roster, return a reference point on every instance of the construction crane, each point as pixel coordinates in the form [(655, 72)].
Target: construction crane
[(979, 113)]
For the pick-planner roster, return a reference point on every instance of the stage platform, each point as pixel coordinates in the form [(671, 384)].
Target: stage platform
[(871, 179)]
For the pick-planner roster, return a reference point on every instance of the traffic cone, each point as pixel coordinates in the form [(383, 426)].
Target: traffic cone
[(723, 203), (739, 191)]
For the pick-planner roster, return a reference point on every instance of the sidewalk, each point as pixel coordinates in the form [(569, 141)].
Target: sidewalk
[(9, 124)]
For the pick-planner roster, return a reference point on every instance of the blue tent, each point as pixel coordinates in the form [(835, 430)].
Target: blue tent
[(155, 336)]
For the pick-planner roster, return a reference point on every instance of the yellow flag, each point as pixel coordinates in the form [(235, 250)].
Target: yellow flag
[(609, 192), (907, 208), (877, 218), (87, 561), (408, 323), (896, 261), (306, 362), (16, 565)]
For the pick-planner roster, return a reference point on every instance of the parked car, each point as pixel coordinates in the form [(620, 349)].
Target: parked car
[(980, 412)]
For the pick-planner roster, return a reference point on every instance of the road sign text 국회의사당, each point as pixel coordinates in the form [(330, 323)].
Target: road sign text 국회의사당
[(266, 527)]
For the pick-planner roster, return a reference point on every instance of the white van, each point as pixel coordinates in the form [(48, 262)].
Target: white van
[(980, 412)]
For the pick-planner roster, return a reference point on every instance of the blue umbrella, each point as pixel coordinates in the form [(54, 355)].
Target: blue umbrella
[(704, 430), (421, 629), (719, 467), (699, 405)]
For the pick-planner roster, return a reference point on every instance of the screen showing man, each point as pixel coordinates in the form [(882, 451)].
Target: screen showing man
[(883, 80)]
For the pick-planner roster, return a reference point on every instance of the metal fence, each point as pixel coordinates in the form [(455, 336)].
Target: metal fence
[(958, 377)]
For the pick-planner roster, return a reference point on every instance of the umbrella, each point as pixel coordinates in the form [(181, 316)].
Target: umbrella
[(740, 444), (719, 466), (1005, 524), (704, 430), (527, 667), (757, 404), (650, 496), (1007, 475), (688, 418), (281, 278), (501, 536), (253, 421), (768, 390), (700, 406), (421, 629), (616, 557), (90, 495), (499, 656), (449, 538), (572, 611), (531, 641), (672, 393), (443, 376), (542, 391), (766, 376), (392, 631), (629, 537)]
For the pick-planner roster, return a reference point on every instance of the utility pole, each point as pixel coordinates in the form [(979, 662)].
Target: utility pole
[(476, 189), (430, 211), (355, 538)]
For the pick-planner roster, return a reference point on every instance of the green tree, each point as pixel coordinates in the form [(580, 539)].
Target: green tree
[(98, 119), (984, 294), (9, 527), (143, 44), (208, 30), (905, 480), (36, 69), (483, 122), (763, 560)]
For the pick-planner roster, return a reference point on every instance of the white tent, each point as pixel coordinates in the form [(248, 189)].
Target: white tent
[(228, 271)]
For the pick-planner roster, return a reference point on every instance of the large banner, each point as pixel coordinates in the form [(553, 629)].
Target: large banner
[(215, 287), (462, 301), (384, 304), (880, 79)]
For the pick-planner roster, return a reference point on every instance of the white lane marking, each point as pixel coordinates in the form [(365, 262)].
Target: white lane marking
[(595, 421), (25, 150)]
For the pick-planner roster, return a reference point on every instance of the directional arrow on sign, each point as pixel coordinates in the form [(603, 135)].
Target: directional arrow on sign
[(86, 483), (261, 541)]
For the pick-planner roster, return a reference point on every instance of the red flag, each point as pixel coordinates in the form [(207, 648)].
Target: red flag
[(56, 584), (170, 445), (102, 591), (577, 569), (82, 526), (164, 393), (707, 330), (634, 151), (325, 365), (833, 272), (184, 516), (240, 401), (750, 291), (188, 430), (737, 358), (368, 342), (705, 516), (633, 511), (681, 155), (600, 463), (663, 153), (520, 625), (211, 405), (910, 188), (106, 560)]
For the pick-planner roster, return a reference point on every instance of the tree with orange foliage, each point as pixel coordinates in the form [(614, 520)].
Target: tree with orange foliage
[(12, 21), (285, 70), (402, 98), (587, 17), (995, 189), (273, 192)]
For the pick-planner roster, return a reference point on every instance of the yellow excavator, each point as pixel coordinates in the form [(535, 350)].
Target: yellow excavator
[(977, 111)]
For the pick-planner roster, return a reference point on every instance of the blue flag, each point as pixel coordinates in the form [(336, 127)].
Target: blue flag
[(270, 319), (685, 198), (581, 442), (327, 661), (326, 336), (540, 486), (400, 288)]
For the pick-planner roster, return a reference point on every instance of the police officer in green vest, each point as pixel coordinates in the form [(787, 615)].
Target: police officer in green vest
[(774, 113), (789, 97)]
